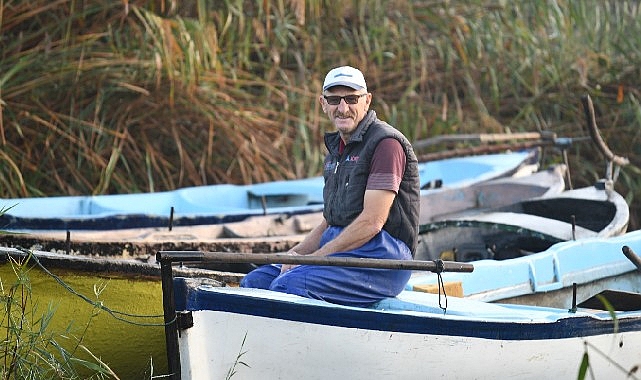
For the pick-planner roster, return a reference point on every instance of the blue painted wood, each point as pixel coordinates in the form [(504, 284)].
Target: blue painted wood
[(225, 203), (583, 261)]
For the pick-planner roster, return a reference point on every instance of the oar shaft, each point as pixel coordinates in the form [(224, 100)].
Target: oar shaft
[(262, 258)]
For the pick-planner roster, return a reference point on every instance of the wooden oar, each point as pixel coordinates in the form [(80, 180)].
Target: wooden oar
[(482, 138), (265, 258)]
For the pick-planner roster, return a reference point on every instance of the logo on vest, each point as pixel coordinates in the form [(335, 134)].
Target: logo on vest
[(352, 158)]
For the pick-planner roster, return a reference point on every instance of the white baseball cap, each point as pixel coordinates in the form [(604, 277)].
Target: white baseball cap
[(345, 76)]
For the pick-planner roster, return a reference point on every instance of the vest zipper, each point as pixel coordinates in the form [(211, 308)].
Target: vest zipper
[(336, 184)]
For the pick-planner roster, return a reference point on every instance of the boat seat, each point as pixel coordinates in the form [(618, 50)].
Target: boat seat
[(265, 200), (451, 288)]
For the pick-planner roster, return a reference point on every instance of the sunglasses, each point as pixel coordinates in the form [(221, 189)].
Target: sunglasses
[(336, 100)]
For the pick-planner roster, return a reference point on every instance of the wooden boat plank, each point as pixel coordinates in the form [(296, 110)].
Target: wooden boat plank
[(263, 226), (118, 267), (137, 243)]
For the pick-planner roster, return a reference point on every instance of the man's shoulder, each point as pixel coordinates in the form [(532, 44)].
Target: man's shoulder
[(389, 144)]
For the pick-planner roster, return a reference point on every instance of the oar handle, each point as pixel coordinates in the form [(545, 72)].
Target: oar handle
[(629, 253), (263, 258)]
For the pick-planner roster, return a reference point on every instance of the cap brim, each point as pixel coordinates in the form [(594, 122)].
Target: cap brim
[(346, 84)]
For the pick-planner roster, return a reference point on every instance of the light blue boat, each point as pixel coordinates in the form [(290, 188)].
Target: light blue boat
[(216, 204), (548, 277)]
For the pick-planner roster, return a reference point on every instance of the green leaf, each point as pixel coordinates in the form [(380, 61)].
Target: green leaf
[(583, 369)]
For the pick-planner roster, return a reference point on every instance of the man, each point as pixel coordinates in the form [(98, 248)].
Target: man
[(371, 204)]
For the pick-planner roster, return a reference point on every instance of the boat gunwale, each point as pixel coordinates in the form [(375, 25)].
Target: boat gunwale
[(559, 324)]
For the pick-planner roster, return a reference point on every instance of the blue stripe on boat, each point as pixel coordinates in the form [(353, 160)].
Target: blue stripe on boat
[(492, 321)]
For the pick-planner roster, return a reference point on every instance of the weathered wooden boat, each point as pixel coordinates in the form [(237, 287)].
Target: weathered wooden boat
[(258, 234), (576, 269), (123, 327), (216, 204), (526, 227), (500, 192), (436, 203), (215, 332), (271, 233), (144, 243)]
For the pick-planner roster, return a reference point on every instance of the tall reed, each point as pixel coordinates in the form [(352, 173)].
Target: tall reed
[(140, 95)]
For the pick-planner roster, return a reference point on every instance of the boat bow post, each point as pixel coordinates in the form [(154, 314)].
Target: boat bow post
[(175, 321), (613, 159)]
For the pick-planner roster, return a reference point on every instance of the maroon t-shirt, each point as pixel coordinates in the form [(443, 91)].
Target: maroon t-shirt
[(387, 166)]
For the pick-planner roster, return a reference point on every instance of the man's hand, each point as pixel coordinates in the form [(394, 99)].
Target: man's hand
[(288, 267)]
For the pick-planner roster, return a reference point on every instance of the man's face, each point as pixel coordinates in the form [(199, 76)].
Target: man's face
[(343, 115)]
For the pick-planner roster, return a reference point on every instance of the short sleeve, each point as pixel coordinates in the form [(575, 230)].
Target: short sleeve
[(387, 166)]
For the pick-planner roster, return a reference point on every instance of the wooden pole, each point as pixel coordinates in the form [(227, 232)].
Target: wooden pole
[(482, 138), (482, 149), (588, 108), (169, 312), (266, 258)]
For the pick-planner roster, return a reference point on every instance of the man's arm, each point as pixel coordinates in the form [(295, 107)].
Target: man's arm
[(312, 241), (376, 206), (308, 246), (387, 168), (371, 220), (386, 172)]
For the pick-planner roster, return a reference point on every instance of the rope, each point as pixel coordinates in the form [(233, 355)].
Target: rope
[(441, 285), (119, 315)]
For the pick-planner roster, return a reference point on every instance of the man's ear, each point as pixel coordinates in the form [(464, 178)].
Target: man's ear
[(369, 99), (322, 103)]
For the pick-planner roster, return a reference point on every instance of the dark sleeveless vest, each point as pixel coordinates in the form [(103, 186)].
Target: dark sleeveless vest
[(346, 180)]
